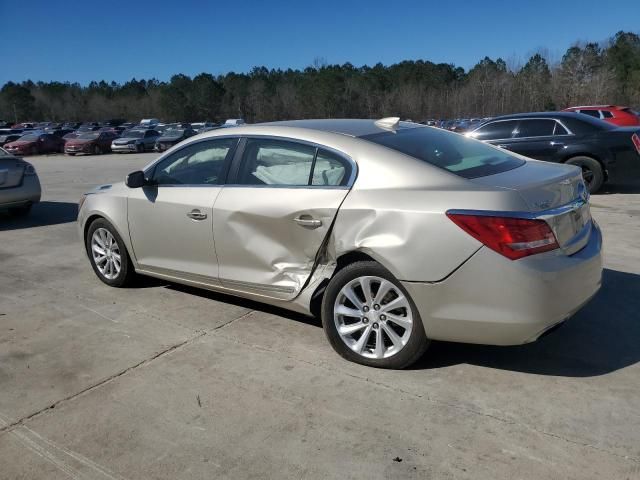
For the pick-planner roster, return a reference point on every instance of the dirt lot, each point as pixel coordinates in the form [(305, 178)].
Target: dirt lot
[(169, 382)]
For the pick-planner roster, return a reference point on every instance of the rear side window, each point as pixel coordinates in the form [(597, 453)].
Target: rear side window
[(463, 156), (285, 163), (495, 130), (591, 113), (606, 114), (535, 128)]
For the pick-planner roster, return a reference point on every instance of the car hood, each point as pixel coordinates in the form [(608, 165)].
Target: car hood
[(169, 138), (125, 140), (18, 143), (79, 142)]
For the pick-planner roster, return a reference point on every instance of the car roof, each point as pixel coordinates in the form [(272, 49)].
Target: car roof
[(600, 107), (516, 116), (345, 126)]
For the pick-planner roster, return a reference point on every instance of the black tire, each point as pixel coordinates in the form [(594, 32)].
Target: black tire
[(97, 150), (417, 342), (127, 274), (592, 171), (71, 154), (140, 148), (20, 211)]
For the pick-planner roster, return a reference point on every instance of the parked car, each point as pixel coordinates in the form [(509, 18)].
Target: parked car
[(397, 233), (8, 135), (149, 122), (233, 122), (603, 152), (35, 144), (621, 116), (89, 127), (24, 125), (171, 137), (90, 142), (201, 127), (135, 141), (19, 184)]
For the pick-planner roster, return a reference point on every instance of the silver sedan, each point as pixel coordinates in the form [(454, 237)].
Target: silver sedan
[(393, 233), (19, 184)]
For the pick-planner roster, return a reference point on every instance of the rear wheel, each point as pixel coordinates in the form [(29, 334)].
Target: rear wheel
[(592, 172), (369, 318), (108, 254)]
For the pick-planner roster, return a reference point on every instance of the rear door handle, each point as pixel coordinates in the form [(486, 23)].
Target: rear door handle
[(308, 221), (196, 215)]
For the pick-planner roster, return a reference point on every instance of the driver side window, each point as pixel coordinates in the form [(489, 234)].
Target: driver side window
[(200, 163)]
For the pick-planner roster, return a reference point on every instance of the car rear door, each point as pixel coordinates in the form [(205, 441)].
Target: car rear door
[(538, 138), (171, 220), (271, 222)]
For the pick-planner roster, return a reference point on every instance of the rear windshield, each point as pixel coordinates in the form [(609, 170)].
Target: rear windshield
[(463, 156)]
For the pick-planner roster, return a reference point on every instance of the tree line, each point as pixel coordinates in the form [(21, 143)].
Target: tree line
[(589, 73)]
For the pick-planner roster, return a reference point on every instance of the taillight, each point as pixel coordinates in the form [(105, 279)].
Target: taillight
[(636, 142), (512, 237)]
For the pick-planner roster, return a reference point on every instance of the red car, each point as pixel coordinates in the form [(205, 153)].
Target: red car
[(90, 142), (621, 116), (34, 144)]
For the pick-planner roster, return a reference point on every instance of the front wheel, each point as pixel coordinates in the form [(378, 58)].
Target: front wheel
[(370, 319), (97, 150), (108, 254), (140, 148), (592, 172)]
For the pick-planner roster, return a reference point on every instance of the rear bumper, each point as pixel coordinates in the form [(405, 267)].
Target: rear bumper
[(27, 193), (492, 300)]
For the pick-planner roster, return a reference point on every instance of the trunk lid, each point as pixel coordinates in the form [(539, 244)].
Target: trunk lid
[(11, 172), (554, 193)]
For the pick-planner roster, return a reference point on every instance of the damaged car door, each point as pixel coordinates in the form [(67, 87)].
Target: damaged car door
[(270, 221)]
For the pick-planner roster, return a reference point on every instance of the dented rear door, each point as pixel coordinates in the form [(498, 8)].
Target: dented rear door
[(270, 224)]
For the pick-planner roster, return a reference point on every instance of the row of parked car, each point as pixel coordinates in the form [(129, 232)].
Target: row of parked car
[(30, 138), (614, 114)]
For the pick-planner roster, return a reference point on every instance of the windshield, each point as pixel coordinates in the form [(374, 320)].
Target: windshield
[(172, 132), (463, 156), (133, 134), (30, 137), (88, 136)]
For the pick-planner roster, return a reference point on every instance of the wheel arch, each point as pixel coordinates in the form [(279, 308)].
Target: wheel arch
[(580, 153), (344, 260)]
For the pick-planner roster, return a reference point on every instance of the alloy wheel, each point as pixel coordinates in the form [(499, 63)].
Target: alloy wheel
[(373, 317), (106, 253)]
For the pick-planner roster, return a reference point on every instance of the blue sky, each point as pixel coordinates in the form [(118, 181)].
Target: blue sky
[(116, 40)]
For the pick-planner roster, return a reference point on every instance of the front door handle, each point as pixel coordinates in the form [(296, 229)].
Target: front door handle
[(196, 215), (308, 221)]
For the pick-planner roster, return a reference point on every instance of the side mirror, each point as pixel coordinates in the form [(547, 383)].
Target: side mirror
[(136, 179)]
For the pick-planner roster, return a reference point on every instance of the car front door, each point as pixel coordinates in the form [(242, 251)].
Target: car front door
[(497, 133), (272, 219), (171, 219), (541, 139)]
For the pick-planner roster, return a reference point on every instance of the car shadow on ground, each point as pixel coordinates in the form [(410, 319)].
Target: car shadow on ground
[(42, 214), (601, 338)]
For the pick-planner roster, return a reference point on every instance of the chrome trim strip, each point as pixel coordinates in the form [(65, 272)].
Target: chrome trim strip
[(541, 215), (257, 286)]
